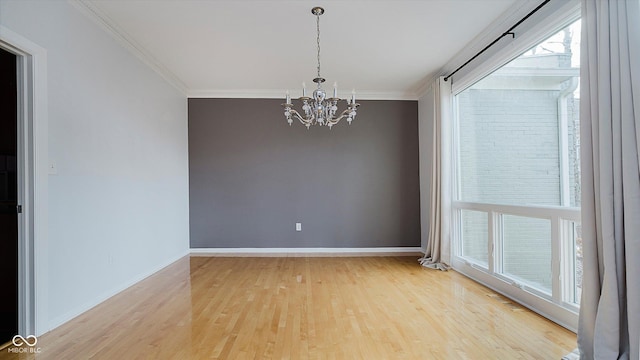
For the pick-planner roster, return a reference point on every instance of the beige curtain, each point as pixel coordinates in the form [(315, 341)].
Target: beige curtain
[(437, 254), (609, 326)]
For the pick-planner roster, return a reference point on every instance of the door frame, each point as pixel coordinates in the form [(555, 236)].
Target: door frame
[(32, 117)]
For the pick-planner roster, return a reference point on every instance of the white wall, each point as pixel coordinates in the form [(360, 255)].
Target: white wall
[(118, 206)]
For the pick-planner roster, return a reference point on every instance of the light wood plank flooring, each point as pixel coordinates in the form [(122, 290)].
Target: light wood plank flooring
[(305, 308)]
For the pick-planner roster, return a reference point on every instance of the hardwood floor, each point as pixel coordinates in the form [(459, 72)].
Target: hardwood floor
[(305, 308)]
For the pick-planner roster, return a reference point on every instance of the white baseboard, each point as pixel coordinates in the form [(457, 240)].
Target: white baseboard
[(307, 252), (60, 320)]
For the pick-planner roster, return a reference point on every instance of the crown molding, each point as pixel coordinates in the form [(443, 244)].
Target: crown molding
[(426, 85), (279, 94), (107, 24)]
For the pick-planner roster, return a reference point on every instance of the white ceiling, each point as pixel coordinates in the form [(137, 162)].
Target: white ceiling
[(382, 48)]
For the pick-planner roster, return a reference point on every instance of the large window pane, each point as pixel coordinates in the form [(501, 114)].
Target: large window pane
[(526, 250), (518, 132), (474, 227)]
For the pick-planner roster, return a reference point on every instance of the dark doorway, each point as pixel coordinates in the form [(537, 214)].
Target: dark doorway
[(8, 196)]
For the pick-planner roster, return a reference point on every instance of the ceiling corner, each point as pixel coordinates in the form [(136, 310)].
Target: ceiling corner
[(97, 16)]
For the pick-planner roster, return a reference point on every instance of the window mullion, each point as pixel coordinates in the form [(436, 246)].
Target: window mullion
[(493, 243), (556, 251)]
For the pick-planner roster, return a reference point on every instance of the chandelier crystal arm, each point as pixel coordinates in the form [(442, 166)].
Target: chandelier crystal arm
[(291, 114), (349, 114)]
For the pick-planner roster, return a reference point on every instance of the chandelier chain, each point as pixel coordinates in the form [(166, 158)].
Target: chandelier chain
[(318, 42)]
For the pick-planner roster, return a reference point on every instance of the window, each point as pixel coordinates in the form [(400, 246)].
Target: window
[(474, 236), (517, 202), (526, 250)]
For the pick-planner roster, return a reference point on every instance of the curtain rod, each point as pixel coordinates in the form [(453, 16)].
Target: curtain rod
[(506, 33)]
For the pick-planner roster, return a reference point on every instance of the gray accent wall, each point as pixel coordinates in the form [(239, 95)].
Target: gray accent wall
[(252, 177)]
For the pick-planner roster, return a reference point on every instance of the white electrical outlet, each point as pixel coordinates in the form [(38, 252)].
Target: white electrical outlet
[(298, 226)]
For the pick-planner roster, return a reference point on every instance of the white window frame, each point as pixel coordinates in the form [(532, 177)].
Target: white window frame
[(555, 306)]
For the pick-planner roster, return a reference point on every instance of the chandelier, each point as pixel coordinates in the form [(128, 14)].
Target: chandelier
[(319, 109)]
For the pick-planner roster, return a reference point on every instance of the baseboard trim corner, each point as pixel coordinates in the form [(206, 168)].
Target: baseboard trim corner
[(88, 305)]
